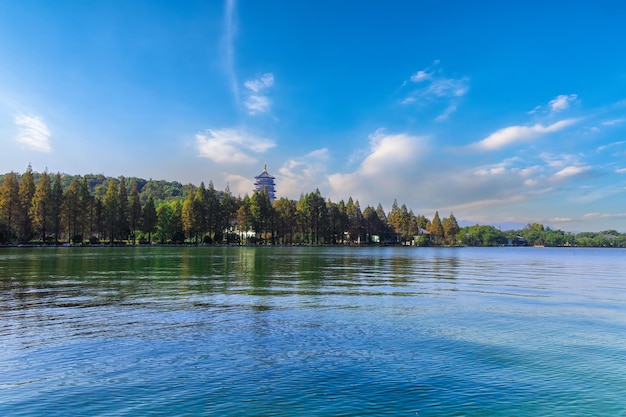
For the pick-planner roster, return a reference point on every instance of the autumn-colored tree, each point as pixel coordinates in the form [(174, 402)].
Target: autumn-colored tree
[(372, 223), (9, 206), (436, 228), (450, 228), (40, 206), (26, 193)]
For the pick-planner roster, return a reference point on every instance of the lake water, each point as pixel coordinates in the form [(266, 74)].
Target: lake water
[(312, 331)]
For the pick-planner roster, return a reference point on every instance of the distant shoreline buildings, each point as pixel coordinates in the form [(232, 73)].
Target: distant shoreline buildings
[(265, 181)]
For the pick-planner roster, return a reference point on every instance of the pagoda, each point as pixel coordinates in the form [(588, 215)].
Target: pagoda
[(265, 181)]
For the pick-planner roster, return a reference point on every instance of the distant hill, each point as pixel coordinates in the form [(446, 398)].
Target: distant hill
[(160, 190), (502, 225)]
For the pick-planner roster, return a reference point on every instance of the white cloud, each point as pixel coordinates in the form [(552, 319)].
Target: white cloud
[(604, 215), (559, 103), (303, 174), (513, 134), (238, 184), (434, 87), (388, 169), (571, 171), (257, 104), (419, 76), (609, 145), (446, 113), (621, 170), (256, 86), (613, 122), (257, 101), (33, 133), (561, 220), (448, 87), (231, 145), (562, 102)]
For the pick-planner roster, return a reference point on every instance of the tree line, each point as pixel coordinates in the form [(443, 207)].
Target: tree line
[(52, 209)]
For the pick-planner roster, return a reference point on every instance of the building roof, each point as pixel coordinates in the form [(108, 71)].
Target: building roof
[(264, 174)]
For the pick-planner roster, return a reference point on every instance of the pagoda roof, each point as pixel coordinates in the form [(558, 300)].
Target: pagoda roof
[(264, 174)]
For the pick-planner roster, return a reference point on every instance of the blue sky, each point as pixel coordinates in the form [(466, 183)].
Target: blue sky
[(497, 111)]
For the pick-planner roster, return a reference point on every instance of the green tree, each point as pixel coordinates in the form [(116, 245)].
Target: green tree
[(149, 219), (98, 210), (135, 212), (123, 227), (200, 207), (190, 217), (261, 213), (72, 214), (355, 220), (111, 210), (56, 206), (212, 210), (40, 213), (243, 217), (228, 209), (286, 217), (170, 223), (86, 201)]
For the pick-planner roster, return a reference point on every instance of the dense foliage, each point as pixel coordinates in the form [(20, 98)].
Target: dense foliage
[(40, 208)]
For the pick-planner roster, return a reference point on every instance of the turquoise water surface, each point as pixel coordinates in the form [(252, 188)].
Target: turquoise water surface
[(312, 331)]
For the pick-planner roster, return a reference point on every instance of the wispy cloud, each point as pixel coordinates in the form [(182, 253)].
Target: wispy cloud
[(620, 170), (609, 146), (562, 102), (228, 44), (561, 220), (572, 170), (446, 113), (260, 84), (613, 122), (257, 100), (590, 216), (303, 174), (513, 134), (558, 104), (231, 145), (430, 85), (33, 133)]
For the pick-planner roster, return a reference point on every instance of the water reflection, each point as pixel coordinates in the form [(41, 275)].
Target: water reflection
[(94, 276), (83, 276)]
